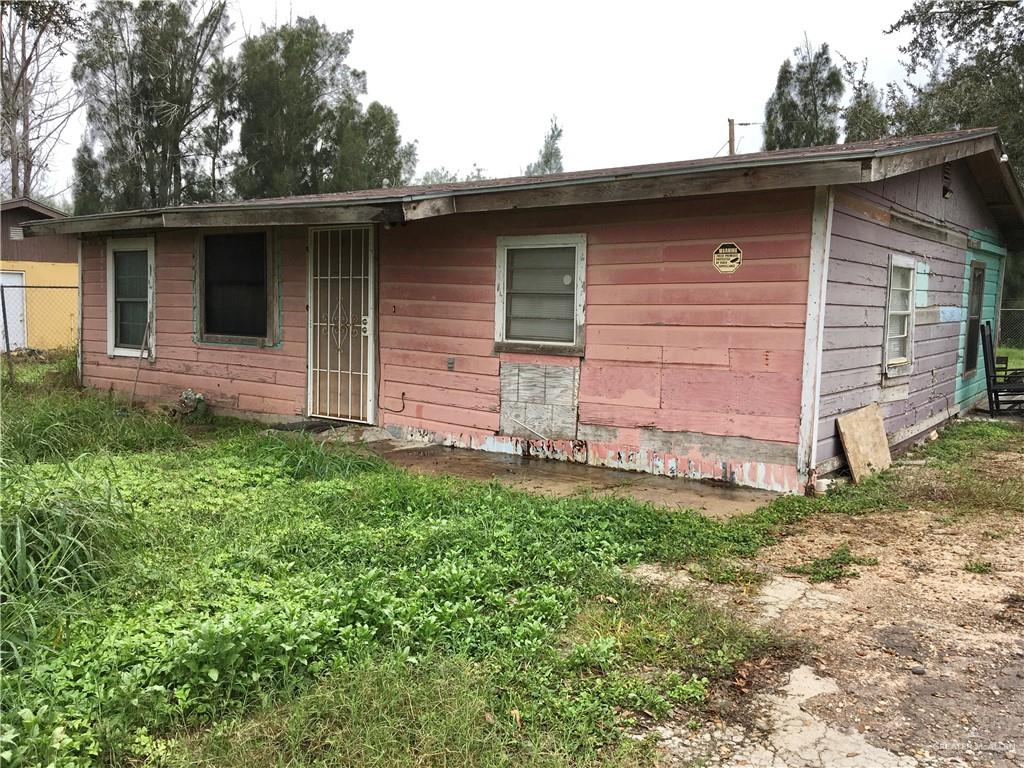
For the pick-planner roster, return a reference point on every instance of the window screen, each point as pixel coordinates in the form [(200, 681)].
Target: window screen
[(974, 303), (235, 285), (540, 294), (131, 297), (900, 319)]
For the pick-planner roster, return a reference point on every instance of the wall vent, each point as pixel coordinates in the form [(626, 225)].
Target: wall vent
[(17, 233)]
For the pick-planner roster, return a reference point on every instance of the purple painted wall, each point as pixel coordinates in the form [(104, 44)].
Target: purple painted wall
[(864, 233)]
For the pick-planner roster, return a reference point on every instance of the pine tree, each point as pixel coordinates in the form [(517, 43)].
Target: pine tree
[(549, 160), (143, 71), (864, 117), (303, 128), (87, 187), (804, 109)]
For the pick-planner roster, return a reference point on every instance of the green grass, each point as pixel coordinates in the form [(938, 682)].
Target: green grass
[(1016, 356), (57, 532), (979, 566), (249, 599), (962, 477), (835, 566)]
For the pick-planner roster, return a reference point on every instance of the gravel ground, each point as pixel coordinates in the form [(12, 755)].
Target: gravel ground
[(914, 662)]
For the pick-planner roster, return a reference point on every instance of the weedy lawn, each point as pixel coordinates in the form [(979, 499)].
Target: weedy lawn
[(241, 598)]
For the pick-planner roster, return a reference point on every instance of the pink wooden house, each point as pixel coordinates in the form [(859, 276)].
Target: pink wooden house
[(702, 319)]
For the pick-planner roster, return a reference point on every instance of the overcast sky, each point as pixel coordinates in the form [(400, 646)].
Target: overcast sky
[(631, 82)]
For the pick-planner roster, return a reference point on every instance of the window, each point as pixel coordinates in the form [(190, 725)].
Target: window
[(974, 303), (235, 301), (540, 293), (130, 325), (899, 321)]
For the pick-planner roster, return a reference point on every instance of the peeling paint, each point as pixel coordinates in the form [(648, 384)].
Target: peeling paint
[(693, 465)]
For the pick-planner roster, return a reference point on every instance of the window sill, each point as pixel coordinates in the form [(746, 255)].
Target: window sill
[(901, 371), (249, 342), (129, 352), (539, 348)]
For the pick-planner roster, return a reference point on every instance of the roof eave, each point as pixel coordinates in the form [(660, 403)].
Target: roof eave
[(729, 175)]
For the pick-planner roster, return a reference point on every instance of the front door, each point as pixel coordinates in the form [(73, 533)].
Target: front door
[(341, 316)]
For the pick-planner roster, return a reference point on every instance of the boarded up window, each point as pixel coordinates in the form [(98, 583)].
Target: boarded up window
[(235, 286), (131, 297), (974, 305), (540, 291), (899, 326)]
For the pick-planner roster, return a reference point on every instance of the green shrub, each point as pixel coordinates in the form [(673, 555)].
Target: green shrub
[(301, 457), (63, 424), (979, 566), (58, 530), (834, 567)]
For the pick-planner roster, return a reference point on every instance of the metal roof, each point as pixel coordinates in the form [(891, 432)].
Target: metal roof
[(806, 166)]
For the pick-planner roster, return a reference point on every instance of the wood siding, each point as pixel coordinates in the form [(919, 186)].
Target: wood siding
[(57, 248), (253, 380), (863, 237), (671, 345)]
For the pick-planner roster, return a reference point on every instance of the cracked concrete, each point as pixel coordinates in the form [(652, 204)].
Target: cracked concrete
[(800, 739), (915, 662), (781, 593), (785, 735)]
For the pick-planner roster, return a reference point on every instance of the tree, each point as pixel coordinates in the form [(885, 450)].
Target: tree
[(144, 71), (217, 132), (549, 160), (974, 52), (804, 109), (367, 150), (38, 101), (864, 117), (442, 175), (87, 187), (303, 128)]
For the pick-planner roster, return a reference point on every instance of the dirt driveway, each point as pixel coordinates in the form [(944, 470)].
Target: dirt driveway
[(917, 661)]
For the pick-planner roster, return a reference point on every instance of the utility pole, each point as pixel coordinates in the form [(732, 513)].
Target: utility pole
[(732, 136)]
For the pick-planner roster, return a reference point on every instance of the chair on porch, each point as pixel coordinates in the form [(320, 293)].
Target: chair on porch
[(1005, 385)]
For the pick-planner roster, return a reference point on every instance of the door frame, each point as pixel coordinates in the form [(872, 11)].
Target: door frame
[(371, 357), (24, 309)]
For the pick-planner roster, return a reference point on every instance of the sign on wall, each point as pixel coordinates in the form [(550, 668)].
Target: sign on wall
[(727, 258)]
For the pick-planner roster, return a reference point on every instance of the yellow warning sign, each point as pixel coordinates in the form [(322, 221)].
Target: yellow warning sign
[(727, 258)]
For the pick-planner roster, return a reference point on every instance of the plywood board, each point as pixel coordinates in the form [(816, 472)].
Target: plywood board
[(863, 435)]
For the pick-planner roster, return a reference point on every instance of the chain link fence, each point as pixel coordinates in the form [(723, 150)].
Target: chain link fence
[(39, 326), (1011, 325)]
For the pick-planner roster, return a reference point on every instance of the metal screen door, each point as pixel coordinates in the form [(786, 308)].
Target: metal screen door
[(341, 316)]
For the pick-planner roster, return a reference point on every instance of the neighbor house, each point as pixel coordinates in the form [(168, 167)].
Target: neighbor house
[(40, 279), (706, 318)]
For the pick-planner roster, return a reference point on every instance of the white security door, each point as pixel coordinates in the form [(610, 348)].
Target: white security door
[(341, 316), (14, 301)]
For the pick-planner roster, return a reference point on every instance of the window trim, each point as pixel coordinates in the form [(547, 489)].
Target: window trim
[(975, 265), (132, 244), (202, 337), (900, 366), (503, 344)]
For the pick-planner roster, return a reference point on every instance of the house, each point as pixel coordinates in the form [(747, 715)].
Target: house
[(40, 279), (707, 319)]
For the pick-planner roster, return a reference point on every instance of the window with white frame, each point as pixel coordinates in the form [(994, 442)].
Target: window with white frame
[(899, 318), (130, 322), (540, 292)]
